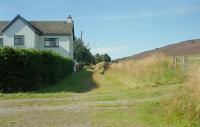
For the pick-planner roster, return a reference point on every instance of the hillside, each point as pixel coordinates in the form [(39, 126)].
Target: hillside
[(188, 47)]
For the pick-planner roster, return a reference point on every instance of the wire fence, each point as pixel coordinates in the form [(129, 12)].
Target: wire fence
[(186, 62)]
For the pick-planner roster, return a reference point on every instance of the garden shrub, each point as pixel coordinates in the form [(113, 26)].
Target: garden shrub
[(28, 69)]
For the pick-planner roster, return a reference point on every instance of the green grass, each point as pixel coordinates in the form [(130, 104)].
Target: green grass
[(100, 101)]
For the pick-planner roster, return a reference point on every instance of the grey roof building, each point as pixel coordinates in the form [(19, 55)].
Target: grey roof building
[(56, 35)]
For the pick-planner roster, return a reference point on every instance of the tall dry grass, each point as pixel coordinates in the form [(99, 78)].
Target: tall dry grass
[(187, 103), (154, 70)]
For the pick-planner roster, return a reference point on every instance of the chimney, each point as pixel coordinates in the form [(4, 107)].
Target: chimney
[(69, 19)]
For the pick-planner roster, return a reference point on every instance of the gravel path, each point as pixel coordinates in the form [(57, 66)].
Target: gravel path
[(10, 106)]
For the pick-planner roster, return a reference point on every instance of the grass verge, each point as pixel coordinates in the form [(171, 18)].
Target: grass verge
[(184, 109)]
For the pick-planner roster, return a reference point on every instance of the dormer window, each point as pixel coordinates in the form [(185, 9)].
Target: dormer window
[(1, 41), (19, 40)]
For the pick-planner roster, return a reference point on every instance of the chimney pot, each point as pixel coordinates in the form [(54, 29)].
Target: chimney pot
[(69, 19)]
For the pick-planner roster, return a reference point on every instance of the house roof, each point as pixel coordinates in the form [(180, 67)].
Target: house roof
[(53, 27), (2, 26), (42, 27)]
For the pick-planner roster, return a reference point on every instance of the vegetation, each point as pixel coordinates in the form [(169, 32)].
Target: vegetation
[(146, 92), (102, 67), (154, 70), (85, 99), (83, 54), (102, 58), (186, 105), (27, 69)]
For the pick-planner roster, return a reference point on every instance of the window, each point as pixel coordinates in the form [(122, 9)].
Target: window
[(51, 42), (1, 41), (19, 40)]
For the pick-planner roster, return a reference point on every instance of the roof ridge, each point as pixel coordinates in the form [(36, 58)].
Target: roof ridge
[(47, 21), (25, 21), (43, 27)]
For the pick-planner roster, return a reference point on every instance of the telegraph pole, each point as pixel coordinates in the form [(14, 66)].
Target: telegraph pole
[(81, 35), (82, 46)]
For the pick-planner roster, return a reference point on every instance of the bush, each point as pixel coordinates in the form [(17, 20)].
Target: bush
[(28, 69), (102, 67)]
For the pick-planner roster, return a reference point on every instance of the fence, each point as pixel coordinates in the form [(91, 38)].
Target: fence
[(186, 62)]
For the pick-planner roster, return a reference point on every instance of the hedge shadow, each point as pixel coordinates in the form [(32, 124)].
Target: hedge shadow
[(80, 82)]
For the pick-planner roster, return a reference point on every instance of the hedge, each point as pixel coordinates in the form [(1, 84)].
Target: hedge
[(28, 69)]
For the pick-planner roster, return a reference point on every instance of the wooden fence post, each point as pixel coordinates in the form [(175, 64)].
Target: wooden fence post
[(183, 60), (175, 62)]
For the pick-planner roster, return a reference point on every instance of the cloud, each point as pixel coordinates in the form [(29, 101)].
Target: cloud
[(128, 16), (114, 49), (5, 9), (118, 17), (174, 10), (179, 10), (186, 9), (50, 5)]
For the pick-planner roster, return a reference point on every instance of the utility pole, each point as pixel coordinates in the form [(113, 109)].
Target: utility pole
[(81, 35), (82, 46)]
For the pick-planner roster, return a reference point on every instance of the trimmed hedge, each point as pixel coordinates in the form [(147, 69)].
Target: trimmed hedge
[(28, 69)]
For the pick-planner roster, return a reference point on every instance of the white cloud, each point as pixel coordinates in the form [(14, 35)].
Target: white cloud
[(128, 16), (185, 9), (179, 10), (174, 10), (109, 50), (4, 8), (119, 17), (51, 4)]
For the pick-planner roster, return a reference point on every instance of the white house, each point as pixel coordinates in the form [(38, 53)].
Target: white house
[(43, 35)]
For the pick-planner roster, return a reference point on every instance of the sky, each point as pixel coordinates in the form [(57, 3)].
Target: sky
[(117, 27)]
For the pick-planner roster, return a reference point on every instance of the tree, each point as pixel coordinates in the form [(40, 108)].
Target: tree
[(82, 52), (98, 58), (106, 58), (102, 58)]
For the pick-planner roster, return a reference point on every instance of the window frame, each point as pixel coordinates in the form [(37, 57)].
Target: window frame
[(50, 40), (18, 37), (1, 41)]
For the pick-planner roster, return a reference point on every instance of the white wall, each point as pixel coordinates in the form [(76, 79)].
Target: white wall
[(71, 46), (64, 45), (19, 28), (3, 39), (32, 40), (37, 41)]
